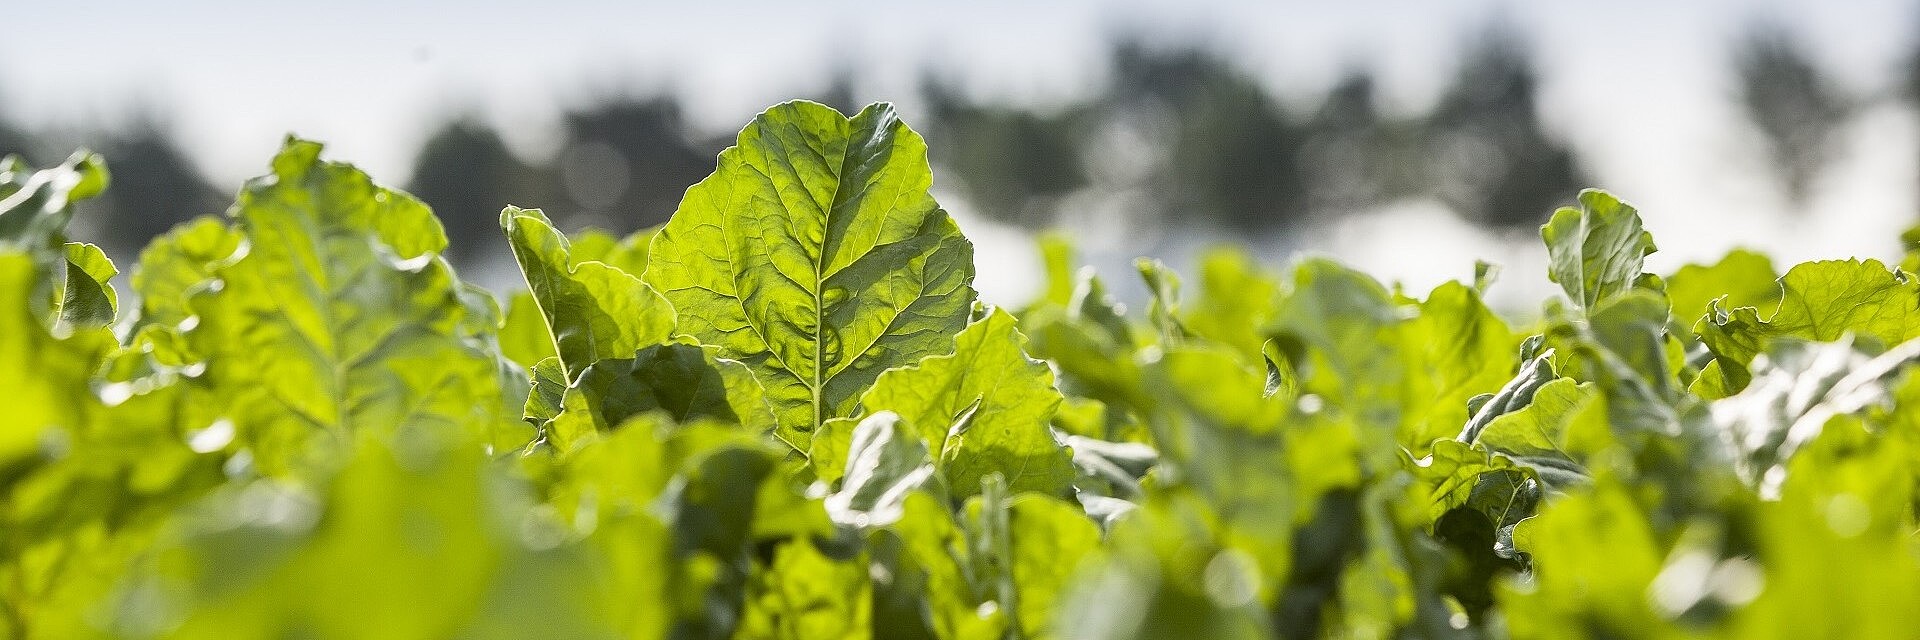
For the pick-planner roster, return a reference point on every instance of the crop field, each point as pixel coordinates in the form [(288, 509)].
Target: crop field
[(786, 414)]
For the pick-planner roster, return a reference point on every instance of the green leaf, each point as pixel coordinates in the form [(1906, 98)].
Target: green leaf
[(1336, 324), (983, 409), (1472, 477), (399, 544), (72, 527), (1056, 253), (1819, 301), (594, 311), (815, 254), (885, 462), (924, 586), (88, 300), (173, 265), (1594, 556), (1822, 301), (1091, 344), (1164, 311), (1515, 395), (1047, 540), (524, 336), (1744, 278), (627, 254), (681, 380), (803, 594), (1595, 251), (1797, 389), (45, 377), (342, 316), (1456, 348), (1236, 298), (35, 207), (1561, 420)]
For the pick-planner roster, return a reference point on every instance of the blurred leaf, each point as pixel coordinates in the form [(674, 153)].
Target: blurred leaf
[(174, 264), (89, 300), (1744, 278), (627, 254), (340, 317), (1797, 388), (885, 462)]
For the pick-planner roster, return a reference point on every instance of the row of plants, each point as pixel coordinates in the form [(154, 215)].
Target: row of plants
[(786, 414)]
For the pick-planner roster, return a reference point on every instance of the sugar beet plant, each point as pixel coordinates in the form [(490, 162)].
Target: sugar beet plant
[(785, 414)]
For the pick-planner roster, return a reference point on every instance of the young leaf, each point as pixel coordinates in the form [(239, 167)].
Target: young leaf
[(627, 254), (815, 254), (594, 311), (1824, 300), (1164, 312), (1236, 298), (1009, 397), (524, 336), (1047, 539), (805, 594), (88, 300), (72, 291), (1595, 251), (1819, 301)]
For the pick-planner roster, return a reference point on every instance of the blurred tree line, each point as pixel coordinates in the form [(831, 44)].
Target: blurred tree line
[(1197, 137)]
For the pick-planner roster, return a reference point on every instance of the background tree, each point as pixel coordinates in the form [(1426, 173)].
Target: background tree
[(154, 187), (1012, 163), (1232, 155), (1790, 102), (627, 161), (1492, 159)]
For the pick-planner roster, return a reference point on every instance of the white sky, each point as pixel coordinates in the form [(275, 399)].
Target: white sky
[(1640, 86)]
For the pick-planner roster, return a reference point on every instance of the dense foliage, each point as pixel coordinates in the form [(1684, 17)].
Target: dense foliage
[(785, 414)]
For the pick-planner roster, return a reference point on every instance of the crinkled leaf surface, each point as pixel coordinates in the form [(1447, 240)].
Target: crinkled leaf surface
[(983, 409), (1824, 300), (815, 254)]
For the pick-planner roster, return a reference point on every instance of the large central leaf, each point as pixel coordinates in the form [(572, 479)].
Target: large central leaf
[(815, 254)]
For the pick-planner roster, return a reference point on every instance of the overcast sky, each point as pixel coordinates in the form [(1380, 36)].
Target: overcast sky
[(1640, 86)]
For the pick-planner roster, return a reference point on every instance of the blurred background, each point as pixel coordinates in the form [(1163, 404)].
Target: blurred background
[(1408, 137)]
